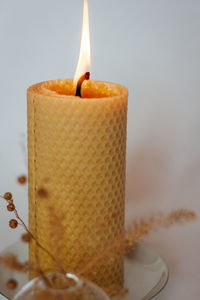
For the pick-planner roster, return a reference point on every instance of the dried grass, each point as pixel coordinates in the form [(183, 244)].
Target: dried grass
[(135, 233)]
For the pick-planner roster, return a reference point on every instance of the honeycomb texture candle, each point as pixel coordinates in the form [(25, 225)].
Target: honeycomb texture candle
[(77, 158)]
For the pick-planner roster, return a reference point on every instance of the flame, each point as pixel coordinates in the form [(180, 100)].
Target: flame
[(84, 61)]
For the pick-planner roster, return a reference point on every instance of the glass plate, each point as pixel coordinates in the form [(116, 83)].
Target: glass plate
[(146, 273)]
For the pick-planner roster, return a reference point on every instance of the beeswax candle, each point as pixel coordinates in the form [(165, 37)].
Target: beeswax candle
[(77, 151)]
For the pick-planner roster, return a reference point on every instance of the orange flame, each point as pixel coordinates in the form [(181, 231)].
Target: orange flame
[(84, 62)]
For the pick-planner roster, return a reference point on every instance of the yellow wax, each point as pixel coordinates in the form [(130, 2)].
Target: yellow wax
[(77, 152)]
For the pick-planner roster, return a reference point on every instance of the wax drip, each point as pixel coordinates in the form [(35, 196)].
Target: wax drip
[(86, 76)]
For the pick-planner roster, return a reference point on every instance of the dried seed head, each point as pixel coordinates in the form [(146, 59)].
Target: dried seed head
[(13, 223), (22, 179), (42, 193), (11, 262), (7, 196), (26, 237), (12, 284), (11, 207)]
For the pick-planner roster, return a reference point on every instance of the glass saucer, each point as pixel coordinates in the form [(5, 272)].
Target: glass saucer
[(146, 273)]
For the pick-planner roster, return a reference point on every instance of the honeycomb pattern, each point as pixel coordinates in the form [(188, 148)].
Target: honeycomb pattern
[(77, 151)]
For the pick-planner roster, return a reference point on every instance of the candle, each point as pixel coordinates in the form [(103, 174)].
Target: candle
[(77, 151)]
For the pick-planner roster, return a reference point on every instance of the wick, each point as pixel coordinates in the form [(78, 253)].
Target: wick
[(86, 76)]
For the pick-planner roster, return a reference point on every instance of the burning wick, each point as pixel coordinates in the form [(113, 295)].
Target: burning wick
[(86, 76)]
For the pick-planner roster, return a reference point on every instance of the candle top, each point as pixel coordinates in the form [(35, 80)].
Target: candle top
[(92, 89)]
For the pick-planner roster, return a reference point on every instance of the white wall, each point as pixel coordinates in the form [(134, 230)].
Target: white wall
[(152, 47)]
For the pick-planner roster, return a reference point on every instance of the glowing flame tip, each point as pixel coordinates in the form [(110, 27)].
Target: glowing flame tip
[(84, 62)]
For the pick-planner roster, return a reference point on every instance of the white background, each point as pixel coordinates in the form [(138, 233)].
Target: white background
[(152, 47)]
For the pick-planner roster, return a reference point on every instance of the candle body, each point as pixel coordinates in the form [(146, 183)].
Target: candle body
[(77, 157)]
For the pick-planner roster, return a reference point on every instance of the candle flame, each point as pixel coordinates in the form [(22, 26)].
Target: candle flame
[(84, 61)]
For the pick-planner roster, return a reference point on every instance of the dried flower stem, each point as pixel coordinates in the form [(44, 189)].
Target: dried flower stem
[(104, 254), (11, 262), (137, 231), (33, 237), (123, 244)]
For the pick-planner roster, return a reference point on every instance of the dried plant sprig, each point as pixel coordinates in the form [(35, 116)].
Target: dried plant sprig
[(138, 230), (22, 179), (29, 236), (104, 255), (136, 233), (12, 284), (56, 225), (10, 207), (26, 237), (11, 262), (7, 196), (14, 223)]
